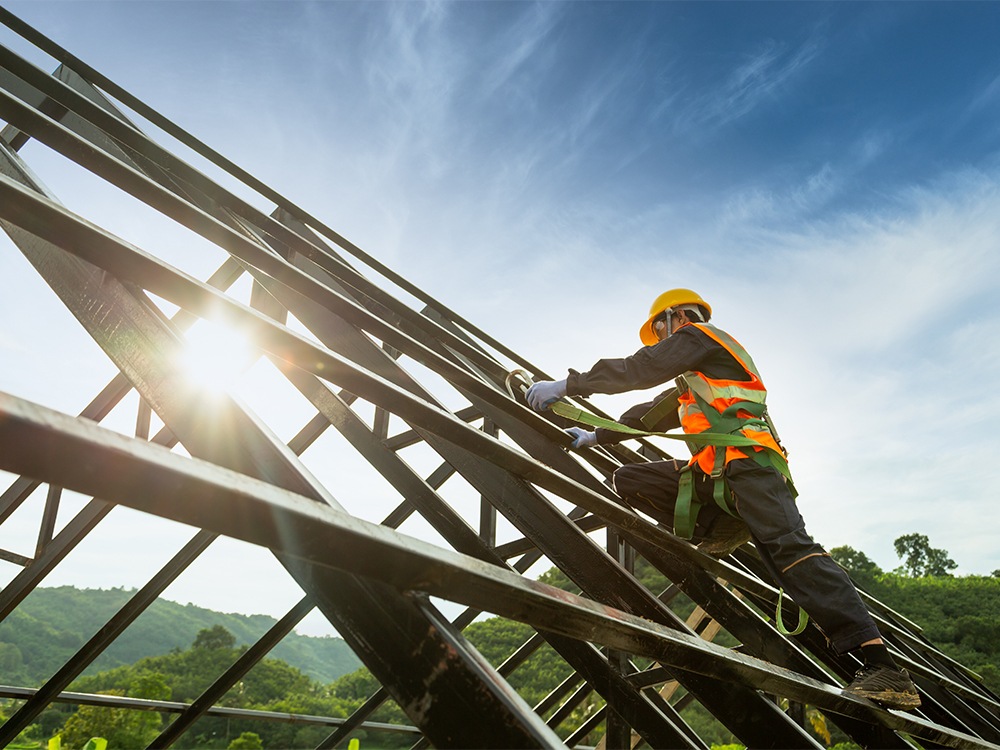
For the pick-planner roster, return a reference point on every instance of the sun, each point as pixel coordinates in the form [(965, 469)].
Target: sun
[(214, 356)]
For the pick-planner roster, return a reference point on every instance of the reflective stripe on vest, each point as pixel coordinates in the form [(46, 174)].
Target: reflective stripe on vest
[(738, 406)]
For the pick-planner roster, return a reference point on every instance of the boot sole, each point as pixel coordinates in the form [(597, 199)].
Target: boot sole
[(724, 547), (889, 698)]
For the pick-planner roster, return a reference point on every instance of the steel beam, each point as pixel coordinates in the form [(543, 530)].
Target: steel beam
[(107, 250), (37, 441), (359, 609), (174, 707)]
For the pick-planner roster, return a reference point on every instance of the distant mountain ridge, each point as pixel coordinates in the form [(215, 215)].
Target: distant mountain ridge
[(51, 624)]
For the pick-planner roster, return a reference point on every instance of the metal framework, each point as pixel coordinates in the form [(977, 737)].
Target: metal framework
[(351, 354)]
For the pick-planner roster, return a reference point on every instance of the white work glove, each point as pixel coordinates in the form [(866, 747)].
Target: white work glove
[(581, 438), (544, 393)]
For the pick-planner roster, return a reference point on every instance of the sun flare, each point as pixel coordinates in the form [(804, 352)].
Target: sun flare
[(214, 355)]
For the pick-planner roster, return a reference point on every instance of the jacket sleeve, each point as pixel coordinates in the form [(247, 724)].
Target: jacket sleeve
[(649, 367), (633, 418)]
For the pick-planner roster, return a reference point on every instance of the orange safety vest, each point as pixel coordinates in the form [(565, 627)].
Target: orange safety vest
[(737, 407)]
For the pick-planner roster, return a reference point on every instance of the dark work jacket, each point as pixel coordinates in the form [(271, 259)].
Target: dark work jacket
[(688, 349)]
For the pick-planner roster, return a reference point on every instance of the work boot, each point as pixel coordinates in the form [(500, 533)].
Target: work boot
[(726, 534), (890, 687)]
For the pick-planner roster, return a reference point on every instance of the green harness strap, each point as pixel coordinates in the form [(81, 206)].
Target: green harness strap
[(803, 618), (686, 508), (563, 409)]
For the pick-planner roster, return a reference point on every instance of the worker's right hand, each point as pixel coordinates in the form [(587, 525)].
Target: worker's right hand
[(581, 438), (544, 393)]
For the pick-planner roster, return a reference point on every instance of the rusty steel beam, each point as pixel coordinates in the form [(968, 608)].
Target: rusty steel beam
[(109, 251)]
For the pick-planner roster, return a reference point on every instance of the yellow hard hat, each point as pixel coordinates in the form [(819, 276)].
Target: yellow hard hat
[(667, 301)]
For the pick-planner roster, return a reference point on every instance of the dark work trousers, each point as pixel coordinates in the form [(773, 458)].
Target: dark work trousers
[(799, 565)]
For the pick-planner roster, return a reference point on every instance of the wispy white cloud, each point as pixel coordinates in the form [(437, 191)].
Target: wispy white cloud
[(516, 46), (783, 196), (988, 97), (754, 82)]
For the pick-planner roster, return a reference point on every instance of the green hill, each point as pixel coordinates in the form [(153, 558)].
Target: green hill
[(52, 623), (182, 675)]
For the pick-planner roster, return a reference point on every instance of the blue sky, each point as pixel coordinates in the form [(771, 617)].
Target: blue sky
[(826, 174)]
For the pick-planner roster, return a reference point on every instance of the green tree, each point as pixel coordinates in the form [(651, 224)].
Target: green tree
[(246, 741), (151, 686), (920, 559), (214, 638), (121, 727), (271, 685)]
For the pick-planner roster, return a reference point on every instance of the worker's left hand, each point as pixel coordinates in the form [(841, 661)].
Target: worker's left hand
[(582, 438), (544, 393)]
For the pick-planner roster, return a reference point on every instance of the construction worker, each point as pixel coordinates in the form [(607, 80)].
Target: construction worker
[(725, 496)]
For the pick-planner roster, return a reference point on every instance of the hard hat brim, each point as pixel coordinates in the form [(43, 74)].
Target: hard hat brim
[(646, 334)]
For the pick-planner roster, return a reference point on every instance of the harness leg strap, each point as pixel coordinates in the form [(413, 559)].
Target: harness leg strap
[(687, 506)]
